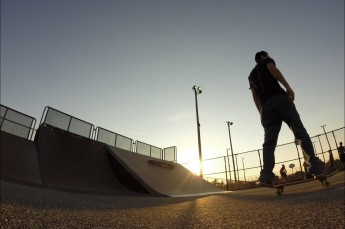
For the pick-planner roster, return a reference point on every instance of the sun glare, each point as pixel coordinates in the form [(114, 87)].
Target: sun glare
[(194, 167), (190, 160)]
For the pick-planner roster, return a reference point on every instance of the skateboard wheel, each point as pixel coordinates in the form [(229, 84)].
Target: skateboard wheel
[(326, 183)]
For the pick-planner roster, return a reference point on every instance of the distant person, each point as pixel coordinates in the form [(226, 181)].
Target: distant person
[(283, 173), (331, 160), (275, 106), (341, 151)]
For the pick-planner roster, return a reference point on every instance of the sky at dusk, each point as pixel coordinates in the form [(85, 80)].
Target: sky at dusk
[(129, 66)]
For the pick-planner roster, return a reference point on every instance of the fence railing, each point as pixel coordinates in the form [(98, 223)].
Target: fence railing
[(170, 154), (113, 139), (247, 165), (22, 125), (16, 123), (148, 150), (222, 171), (66, 122)]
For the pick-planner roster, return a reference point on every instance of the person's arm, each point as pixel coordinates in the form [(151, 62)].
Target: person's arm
[(279, 76), (256, 99)]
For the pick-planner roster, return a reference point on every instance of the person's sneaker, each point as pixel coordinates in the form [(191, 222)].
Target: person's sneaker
[(317, 169), (266, 178), (266, 182), (309, 176)]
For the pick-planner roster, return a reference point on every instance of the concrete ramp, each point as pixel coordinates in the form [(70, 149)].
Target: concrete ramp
[(162, 177), (19, 159), (73, 162), (63, 160)]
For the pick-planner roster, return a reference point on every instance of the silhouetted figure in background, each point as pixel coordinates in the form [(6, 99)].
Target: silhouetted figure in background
[(341, 151), (331, 160), (283, 173), (276, 106)]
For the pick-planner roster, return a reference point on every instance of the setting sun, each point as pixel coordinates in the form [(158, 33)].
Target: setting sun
[(190, 160), (194, 167)]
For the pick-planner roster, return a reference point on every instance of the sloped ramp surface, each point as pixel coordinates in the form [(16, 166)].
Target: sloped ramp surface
[(162, 177), (72, 162), (63, 160), (19, 159)]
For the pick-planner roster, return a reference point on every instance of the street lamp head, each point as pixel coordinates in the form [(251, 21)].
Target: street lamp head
[(197, 89)]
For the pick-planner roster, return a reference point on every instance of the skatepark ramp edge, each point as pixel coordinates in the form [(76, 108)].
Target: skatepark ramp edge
[(63, 160)]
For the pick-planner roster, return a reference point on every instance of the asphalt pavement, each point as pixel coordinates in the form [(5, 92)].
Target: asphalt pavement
[(305, 205)]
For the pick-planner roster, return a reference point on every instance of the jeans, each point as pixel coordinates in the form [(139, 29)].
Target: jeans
[(274, 111)]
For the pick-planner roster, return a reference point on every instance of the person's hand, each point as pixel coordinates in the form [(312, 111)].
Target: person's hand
[(291, 94)]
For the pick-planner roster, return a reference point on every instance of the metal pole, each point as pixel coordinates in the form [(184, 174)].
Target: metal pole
[(323, 127), (244, 171), (226, 175), (232, 152), (324, 160), (197, 90), (238, 174), (227, 155), (260, 159), (297, 142), (335, 140)]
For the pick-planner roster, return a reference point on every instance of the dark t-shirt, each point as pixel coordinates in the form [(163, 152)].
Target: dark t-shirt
[(264, 83)]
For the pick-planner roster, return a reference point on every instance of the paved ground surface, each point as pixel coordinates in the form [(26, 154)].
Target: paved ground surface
[(305, 205)]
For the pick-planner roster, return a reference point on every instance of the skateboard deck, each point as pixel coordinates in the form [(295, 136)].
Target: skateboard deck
[(280, 187)]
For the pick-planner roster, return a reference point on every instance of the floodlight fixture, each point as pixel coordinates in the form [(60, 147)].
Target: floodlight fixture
[(197, 89)]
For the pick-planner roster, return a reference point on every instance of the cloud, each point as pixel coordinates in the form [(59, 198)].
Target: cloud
[(182, 115)]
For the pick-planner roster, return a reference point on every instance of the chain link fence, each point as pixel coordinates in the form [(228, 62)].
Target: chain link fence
[(237, 172)]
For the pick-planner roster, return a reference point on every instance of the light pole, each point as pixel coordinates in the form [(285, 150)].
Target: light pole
[(324, 160), (227, 155), (323, 127), (232, 152), (197, 90), (330, 149)]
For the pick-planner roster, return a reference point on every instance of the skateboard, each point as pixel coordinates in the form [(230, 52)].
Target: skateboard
[(163, 164), (280, 187)]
